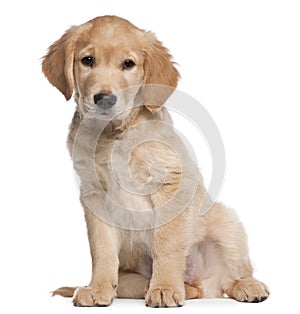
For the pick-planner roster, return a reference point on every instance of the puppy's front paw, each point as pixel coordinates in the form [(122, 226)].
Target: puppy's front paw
[(165, 296), (89, 296)]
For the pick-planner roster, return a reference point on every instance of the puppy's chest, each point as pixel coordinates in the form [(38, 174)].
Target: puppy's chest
[(125, 163)]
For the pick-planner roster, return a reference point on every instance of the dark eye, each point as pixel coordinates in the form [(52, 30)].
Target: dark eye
[(127, 64), (89, 61)]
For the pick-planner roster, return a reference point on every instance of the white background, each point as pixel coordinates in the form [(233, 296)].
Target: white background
[(240, 59)]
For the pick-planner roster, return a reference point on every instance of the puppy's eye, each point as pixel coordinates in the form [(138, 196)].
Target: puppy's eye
[(127, 64), (89, 61)]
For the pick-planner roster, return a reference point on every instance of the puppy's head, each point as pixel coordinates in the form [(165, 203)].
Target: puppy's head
[(108, 62)]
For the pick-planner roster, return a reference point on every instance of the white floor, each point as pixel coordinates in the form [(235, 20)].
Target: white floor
[(61, 305)]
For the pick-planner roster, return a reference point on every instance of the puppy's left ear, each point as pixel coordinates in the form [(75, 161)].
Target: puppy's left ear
[(160, 75), (58, 63)]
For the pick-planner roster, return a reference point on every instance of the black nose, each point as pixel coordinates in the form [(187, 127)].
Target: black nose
[(104, 100)]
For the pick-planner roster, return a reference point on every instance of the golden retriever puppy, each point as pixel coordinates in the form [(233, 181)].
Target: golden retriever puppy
[(140, 190)]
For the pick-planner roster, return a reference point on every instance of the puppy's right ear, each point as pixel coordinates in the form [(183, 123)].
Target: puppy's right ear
[(58, 63)]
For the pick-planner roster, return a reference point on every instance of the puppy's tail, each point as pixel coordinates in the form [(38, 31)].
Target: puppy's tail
[(66, 292)]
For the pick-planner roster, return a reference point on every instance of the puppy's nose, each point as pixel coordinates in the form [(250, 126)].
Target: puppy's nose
[(105, 100)]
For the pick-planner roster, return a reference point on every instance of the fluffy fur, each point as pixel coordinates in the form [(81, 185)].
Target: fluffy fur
[(179, 254)]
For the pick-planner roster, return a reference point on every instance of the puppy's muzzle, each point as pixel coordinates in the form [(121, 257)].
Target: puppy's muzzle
[(105, 100)]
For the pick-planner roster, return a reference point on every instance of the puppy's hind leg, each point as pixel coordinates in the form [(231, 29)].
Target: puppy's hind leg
[(231, 241), (135, 286), (132, 285)]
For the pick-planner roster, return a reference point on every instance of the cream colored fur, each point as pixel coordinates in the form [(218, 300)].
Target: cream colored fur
[(179, 254)]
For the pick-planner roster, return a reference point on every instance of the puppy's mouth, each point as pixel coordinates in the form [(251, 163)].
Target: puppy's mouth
[(106, 114), (93, 109)]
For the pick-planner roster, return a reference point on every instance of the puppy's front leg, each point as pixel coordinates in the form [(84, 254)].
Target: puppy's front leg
[(169, 253), (104, 251)]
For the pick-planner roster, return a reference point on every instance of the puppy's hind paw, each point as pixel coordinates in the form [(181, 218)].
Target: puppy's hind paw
[(248, 290)]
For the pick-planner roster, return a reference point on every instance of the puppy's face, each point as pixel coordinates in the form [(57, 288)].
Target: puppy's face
[(108, 69), (108, 62)]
